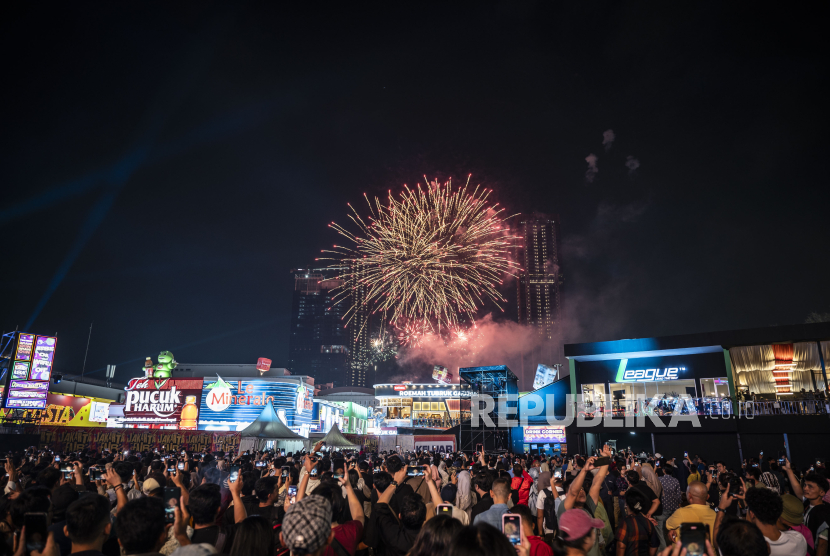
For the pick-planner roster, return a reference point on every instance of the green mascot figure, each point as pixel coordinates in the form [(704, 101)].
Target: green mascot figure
[(165, 366)]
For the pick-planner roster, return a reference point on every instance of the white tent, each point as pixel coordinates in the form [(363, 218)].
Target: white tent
[(269, 428)]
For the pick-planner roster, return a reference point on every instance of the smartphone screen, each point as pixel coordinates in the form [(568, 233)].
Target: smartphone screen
[(36, 524), (95, 474), (445, 509), (171, 501), (292, 494), (313, 472), (511, 526), (181, 466), (260, 464), (57, 458), (234, 473), (338, 475), (285, 469), (693, 538)]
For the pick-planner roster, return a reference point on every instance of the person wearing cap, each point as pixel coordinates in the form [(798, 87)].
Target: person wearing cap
[(446, 496), (764, 508), (792, 518), (577, 531), (306, 528)]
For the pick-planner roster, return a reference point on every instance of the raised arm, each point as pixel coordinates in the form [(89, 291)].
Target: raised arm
[(576, 485), (433, 491), (355, 507), (794, 483), (239, 511), (599, 478)]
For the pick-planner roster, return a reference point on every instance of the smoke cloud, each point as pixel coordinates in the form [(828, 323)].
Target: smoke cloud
[(489, 343), (632, 164), (608, 139), (591, 173)]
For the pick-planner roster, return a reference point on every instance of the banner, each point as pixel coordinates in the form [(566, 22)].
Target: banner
[(64, 439), (367, 443), (63, 410)]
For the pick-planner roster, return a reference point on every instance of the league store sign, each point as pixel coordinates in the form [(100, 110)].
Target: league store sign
[(167, 402), (233, 405)]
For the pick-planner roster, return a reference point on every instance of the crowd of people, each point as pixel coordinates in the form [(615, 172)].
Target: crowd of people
[(352, 503)]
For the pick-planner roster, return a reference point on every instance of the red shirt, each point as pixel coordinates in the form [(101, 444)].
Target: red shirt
[(539, 547), (349, 535)]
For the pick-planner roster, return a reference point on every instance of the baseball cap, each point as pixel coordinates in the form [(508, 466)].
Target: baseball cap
[(307, 525), (448, 493), (150, 485), (793, 510), (576, 523)]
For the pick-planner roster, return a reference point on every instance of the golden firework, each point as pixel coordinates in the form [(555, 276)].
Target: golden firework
[(427, 259)]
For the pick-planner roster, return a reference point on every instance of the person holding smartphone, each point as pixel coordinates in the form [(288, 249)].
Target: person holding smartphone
[(585, 498)]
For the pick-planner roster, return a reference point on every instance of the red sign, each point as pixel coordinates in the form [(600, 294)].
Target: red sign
[(172, 402), (399, 388), (263, 364)]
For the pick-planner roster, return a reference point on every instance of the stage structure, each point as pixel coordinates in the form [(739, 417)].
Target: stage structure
[(498, 382)]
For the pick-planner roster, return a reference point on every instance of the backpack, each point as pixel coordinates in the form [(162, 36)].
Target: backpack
[(549, 510)]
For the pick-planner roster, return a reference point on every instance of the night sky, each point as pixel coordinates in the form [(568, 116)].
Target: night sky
[(166, 164)]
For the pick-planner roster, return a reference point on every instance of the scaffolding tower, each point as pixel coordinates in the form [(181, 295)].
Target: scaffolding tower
[(498, 382)]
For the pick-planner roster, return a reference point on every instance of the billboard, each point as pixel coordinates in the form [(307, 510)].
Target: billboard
[(167, 402), (66, 411), (25, 343), (31, 371), (441, 374), (544, 376), (233, 405), (542, 435)]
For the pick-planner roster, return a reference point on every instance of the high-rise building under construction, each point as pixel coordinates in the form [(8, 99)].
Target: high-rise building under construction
[(539, 295)]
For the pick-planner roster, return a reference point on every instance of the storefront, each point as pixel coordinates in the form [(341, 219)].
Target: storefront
[(723, 395), (421, 405), (621, 385)]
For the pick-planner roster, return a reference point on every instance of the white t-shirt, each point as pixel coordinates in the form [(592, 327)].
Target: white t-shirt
[(790, 543)]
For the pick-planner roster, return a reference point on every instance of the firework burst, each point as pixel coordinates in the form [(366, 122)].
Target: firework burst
[(383, 347), (426, 260)]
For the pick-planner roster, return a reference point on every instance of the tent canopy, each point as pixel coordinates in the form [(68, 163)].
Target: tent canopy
[(335, 439), (269, 426)]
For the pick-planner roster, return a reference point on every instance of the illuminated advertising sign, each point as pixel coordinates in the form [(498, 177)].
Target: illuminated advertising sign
[(233, 405), (168, 402), (31, 371), (544, 376), (20, 370), (442, 391), (543, 435), (64, 411), (654, 374), (42, 358), (25, 343)]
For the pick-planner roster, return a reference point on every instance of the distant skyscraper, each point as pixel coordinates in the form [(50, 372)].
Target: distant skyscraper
[(540, 303), (318, 345), (358, 329)]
